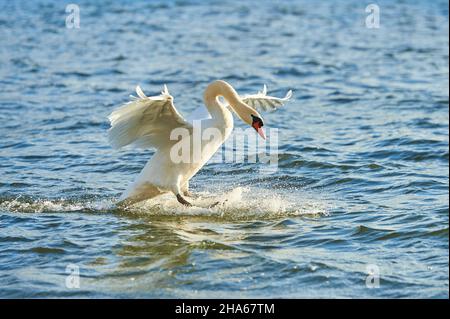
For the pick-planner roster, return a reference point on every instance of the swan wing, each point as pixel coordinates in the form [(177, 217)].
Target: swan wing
[(145, 121), (264, 102)]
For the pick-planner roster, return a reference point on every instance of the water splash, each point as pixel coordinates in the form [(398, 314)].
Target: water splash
[(237, 203), (28, 205)]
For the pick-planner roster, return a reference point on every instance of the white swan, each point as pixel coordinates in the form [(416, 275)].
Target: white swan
[(150, 121)]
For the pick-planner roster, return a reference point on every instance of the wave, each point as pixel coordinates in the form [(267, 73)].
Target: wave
[(27, 205)]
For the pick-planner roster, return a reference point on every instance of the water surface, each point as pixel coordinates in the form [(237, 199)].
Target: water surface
[(363, 150)]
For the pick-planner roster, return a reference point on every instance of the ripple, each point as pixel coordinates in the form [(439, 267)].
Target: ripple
[(362, 175), (77, 74), (47, 250), (292, 72)]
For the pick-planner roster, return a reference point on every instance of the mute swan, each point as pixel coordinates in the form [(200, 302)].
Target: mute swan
[(150, 121)]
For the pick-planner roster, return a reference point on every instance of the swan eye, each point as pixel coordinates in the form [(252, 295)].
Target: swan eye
[(257, 122)]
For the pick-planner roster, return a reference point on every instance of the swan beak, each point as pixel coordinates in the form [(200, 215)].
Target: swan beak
[(257, 124), (261, 132)]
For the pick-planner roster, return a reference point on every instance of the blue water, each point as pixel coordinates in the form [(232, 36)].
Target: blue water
[(363, 150)]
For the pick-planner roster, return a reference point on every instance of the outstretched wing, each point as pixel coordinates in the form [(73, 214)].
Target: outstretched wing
[(264, 102), (145, 121)]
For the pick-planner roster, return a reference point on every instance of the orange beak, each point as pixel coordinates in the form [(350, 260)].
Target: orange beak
[(261, 132), (257, 125)]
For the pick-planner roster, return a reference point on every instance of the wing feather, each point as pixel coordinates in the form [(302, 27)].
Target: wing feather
[(262, 101), (145, 121)]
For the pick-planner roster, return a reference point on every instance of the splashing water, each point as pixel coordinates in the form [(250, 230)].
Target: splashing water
[(238, 203), (27, 205), (362, 175)]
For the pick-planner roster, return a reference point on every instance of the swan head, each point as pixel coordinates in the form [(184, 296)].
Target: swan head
[(250, 116), (257, 124), (245, 112)]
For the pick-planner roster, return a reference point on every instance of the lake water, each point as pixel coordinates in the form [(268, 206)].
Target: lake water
[(362, 179)]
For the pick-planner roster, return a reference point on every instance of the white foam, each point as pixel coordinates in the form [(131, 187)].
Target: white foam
[(237, 203), (20, 205)]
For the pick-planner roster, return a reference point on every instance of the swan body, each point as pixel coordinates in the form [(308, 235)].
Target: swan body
[(152, 121)]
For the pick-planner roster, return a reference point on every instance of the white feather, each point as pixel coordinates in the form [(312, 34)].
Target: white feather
[(262, 101), (165, 90), (140, 93), (145, 121)]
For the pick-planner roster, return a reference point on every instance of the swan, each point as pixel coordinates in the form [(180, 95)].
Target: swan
[(149, 122)]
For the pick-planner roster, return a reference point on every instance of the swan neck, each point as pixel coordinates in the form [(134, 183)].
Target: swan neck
[(216, 89)]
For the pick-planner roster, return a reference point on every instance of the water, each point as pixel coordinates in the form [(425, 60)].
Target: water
[(363, 150)]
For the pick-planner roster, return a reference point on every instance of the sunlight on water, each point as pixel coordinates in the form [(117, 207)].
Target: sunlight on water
[(362, 175)]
